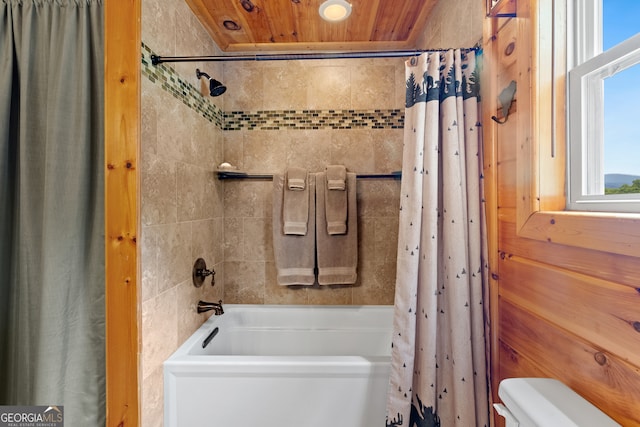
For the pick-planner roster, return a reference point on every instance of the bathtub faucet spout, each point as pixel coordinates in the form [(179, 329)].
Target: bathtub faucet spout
[(204, 306)]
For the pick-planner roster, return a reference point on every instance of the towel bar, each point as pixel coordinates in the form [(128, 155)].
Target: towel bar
[(246, 175)]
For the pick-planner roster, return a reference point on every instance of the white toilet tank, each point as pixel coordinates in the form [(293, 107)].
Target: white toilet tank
[(546, 402)]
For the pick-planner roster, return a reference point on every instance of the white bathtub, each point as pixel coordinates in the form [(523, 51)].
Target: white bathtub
[(282, 366)]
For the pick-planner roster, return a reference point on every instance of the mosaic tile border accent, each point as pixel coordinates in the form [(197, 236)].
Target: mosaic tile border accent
[(314, 119), (265, 120), (180, 89)]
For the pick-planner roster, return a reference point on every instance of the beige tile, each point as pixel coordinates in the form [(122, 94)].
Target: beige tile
[(265, 151), (354, 149), (386, 239), (174, 255), (376, 284), (149, 262), (212, 195), (244, 282), (214, 292), (191, 187), (328, 88), (366, 239), (400, 97), (244, 198), (159, 330), (285, 86), (378, 198), (149, 116), (278, 294), (205, 137), (203, 242), (244, 86), (198, 193), (215, 137), (310, 149), (234, 148), (174, 126), (387, 150), (158, 191), (188, 319), (373, 85), (258, 240), (233, 239), (217, 241), (152, 399), (330, 295), (187, 38), (158, 21)]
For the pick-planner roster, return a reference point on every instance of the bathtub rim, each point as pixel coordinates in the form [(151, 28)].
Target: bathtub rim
[(182, 354)]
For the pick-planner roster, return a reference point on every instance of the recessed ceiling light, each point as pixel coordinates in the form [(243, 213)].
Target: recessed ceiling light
[(335, 10)]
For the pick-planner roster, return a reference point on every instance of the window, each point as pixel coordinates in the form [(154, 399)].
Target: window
[(604, 106)]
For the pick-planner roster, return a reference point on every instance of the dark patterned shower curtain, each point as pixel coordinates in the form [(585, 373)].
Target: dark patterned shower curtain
[(439, 374), (51, 207)]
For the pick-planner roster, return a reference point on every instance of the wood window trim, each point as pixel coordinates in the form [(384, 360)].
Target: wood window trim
[(541, 162)]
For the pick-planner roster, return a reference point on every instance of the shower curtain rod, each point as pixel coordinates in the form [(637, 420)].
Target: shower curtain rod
[(155, 59)]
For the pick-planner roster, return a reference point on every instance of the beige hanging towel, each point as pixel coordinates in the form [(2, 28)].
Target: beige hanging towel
[(336, 199), (295, 206), (336, 177), (294, 254), (338, 253)]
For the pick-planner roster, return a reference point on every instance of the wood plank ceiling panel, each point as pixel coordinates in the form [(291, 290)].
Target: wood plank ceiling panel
[(290, 25)]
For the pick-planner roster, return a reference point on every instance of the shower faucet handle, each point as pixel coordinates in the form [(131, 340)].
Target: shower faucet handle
[(200, 272)]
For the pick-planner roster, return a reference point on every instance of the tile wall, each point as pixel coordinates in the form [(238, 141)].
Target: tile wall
[(454, 24), (311, 114), (181, 201)]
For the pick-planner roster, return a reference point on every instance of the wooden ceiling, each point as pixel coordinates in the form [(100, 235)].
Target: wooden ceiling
[(295, 25)]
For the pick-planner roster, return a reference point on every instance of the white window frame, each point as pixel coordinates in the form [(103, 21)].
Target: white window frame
[(588, 67)]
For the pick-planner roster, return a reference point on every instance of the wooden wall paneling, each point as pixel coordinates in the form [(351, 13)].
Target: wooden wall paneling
[(515, 365), (551, 108), (541, 199), (526, 178), (542, 169), (624, 270), (507, 214), (616, 233), (506, 133), (567, 282), (490, 182), (506, 50), (122, 48), (601, 312), (541, 349), (507, 147)]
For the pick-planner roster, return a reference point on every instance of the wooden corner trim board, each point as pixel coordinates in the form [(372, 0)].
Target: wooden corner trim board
[(541, 156), (122, 50)]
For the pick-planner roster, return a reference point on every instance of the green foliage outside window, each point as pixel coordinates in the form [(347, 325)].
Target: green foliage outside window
[(625, 188)]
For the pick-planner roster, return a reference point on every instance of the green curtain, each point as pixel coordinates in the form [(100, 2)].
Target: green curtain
[(52, 207)]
